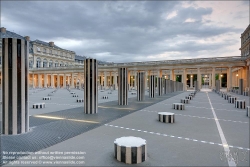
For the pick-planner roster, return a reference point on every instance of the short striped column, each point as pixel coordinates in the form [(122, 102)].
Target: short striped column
[(90, 86), (159, 86), (123, 86), (166, 117), (245, 93), (140, 86), (240, 104), (189, 97), (152, 86), (15, 108), (178, 106), (185, 101), (79, 100), (227, 96), (232, 99), (248, 111), (130, 150), (39, 105), (46, 98)]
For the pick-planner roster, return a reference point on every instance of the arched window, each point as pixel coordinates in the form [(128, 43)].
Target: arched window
[(56, 64), (31, 64), (61, 64), (45, 62), (50, 63), (38, 63)]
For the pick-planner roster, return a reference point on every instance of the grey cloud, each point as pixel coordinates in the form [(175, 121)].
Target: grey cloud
[(129, 29)]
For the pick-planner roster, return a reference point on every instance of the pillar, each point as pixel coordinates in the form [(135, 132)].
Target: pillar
[(135, 80), (58, 81), (91, 89), (129, 79), (184, 79), (45, 80), (33, 80), (198, 79), (152, 86), (146, 80), (210, 76), (140, 86), (52, 80), (123, 86), (159, 86), (64, 81), (213, 78), (15, 109), (39, 80), (72, 80), (172, 76), (115, 80), (229, 78), (191, 81), (105, 80), (241, 89)]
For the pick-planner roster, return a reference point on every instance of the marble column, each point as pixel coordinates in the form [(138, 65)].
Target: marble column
[(58, 81), (198, 79), (105, 80), (15, 86), (213, 78), (152, 86), (72, 81), (229, 78), (123, 86), (39, 80), (140, 86), (91, 89), (184, 79), (33, 80), (191, 81), (115, 80), (64, 81), (172, 75), (52, 80), (45, 80)]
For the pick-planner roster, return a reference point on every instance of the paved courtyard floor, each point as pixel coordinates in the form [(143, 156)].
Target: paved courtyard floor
[(209, 132)]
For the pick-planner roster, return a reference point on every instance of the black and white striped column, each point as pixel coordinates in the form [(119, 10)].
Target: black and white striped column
[(217, 85), (159, 86), (240, 87), (15, 109), (165, 85), (140, 86), (123, 86), (130, 150), (152, 86), (90, 86)]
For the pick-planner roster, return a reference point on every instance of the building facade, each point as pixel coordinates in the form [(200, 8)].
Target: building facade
[(52, 66)]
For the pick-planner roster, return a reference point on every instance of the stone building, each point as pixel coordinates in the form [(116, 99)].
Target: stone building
[(52, 66)]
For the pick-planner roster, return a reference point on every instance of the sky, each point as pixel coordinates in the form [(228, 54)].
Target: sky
[(132, 31)]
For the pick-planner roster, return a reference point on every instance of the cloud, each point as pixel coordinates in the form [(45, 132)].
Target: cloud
[(123, 31)]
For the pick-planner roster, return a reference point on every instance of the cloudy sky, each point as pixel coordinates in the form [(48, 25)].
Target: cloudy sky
[(132, 31)]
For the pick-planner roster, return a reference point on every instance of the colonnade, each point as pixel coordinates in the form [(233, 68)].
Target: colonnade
[(110, 78)]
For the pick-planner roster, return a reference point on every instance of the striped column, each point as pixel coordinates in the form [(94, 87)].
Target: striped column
[(123, 86), (140, 86), (15, 109), (90, 86), (165, 85), (152, 86), (159, 86), (240, 86)]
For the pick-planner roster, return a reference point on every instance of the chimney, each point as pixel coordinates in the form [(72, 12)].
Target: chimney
[(3, 30), (51, 43), (27, 38)]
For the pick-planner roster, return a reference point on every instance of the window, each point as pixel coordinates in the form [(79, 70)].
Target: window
[(50, 51), (44, 50), (55, 52), (45, 63), (38, 63), (30, 64), (50, 63), (38, 49)]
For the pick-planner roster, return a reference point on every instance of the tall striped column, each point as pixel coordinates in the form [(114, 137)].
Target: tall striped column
[(241, 86), (140, 86), (15, 108), (165, 85), (123, 86), (152, 86), (90, 86), (159, 86)]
